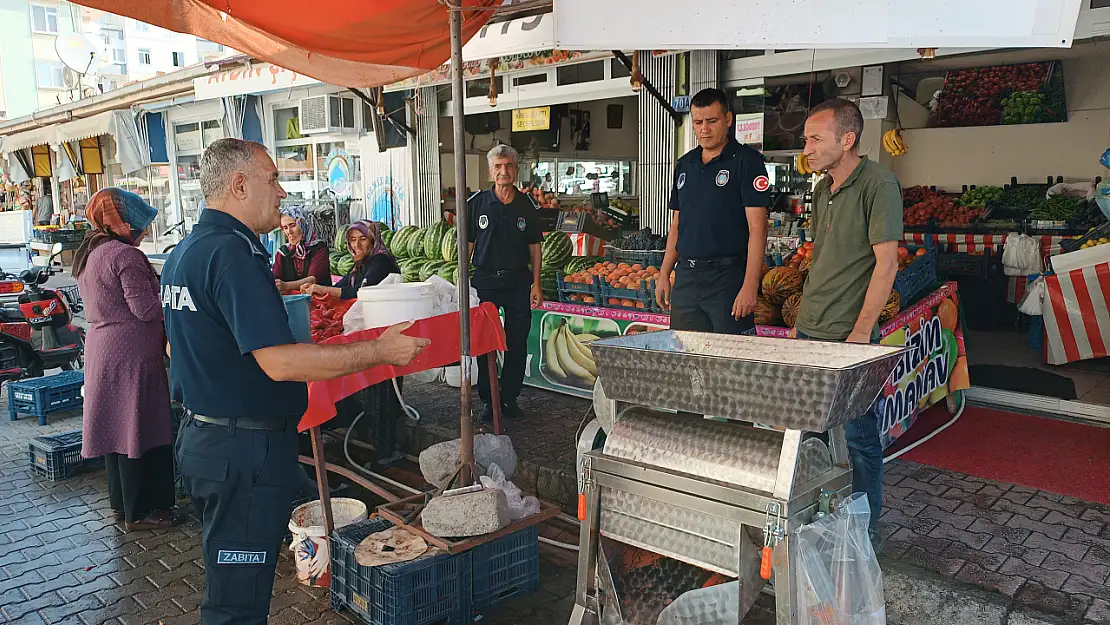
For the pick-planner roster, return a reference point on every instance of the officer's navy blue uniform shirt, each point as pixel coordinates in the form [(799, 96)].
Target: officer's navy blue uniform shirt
[(712, 197), (220, 304), (502, 233)]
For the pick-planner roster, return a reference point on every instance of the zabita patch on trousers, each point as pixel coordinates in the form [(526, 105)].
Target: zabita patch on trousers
[(241, 557)]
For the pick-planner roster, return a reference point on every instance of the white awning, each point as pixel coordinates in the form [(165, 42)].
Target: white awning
[(120, 125)]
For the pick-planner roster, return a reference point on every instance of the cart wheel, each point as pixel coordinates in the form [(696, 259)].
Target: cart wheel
[(952, 401)]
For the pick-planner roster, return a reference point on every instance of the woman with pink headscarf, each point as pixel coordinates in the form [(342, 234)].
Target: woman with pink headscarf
[(373, 263)]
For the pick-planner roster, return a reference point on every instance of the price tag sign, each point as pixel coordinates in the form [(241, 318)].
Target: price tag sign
[(525, 120)]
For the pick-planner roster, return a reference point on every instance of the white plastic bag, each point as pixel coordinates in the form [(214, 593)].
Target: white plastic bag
[(1022, 255), (1034, 298), (519, 506), (1084, 190), (839, 580), (447, 296)]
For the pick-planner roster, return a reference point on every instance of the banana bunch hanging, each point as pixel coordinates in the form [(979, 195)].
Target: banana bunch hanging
[(894, 144), (801, 164)]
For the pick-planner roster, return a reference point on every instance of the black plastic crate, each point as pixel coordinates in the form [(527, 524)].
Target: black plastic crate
[(917, 276), (582, 292), (40, 396), (644, 258), (506, 567), (58, 457), (434, 589), (961, 264)]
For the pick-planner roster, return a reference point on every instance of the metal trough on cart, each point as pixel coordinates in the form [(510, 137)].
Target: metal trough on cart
[(689, 488)]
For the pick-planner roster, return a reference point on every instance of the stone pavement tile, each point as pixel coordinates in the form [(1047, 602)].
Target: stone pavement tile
[(1094, 572), (988, 561), (1005, 505), (1070, 507), (154, 614), (971, 539), (1091, 527), (931, 561), (944, 503), (72, 587), (1099, 611), (950, 519), (974, 574), (18, 612), (1079, 585), (1001, 546), (1052, 530), (70, 610), (951, 481), (1072, 550), (1013, 534), (1037, 596), (1020, 568), (971, 512)]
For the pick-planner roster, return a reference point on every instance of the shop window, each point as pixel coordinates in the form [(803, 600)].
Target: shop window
[(144, 56), (50, 74), (178, 59), (581, 177), (296, 170), (142, 27), (479, 87), (44, 20), (287, 124), (580, 73), (618, 69)]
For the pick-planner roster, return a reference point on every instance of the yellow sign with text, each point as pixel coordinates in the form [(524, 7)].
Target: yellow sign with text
[(538, 118)]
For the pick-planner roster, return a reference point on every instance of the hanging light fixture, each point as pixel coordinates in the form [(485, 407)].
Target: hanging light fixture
[(493, 82), (637, 79)]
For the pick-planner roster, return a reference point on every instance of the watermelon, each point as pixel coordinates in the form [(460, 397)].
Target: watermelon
[(399, 244), (448, 272), (450, 247), (581, 263), (549, 282), (340, 238), (415, 243), (345, 265), (430, 268), (387, 236), (410, 270), (433, 241), (557, 249)]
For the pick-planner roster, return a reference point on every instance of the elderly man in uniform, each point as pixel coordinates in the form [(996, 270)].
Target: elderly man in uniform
[(857, 224), (506, 237), (718, 235), (241, 376)]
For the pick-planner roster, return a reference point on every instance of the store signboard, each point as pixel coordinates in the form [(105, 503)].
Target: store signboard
[(243, 80), (749, 130), (538, 118), (338, 169), (519, 36), (934, 366), (814, 24)]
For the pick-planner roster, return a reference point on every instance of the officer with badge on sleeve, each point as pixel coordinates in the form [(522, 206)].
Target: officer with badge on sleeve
[(240, 374), (718, 234), (506, 237)]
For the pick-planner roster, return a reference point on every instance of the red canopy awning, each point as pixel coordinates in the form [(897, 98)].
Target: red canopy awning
[(349, 43)]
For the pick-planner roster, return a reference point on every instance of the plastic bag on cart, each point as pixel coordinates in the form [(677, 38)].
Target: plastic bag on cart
[(520, 506), (838, 575), (723, 604), (1022, 255), (1034, 297), (1082, 190)]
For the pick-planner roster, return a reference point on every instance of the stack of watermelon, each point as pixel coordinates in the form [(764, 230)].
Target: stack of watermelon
[(426, 252), (557, 250)]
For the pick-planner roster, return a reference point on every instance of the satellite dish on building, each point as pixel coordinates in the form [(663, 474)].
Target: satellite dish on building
[(77, 52)]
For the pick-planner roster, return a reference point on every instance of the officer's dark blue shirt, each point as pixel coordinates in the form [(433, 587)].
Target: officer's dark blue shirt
[(711, 199), (220, 304), (502, 233)]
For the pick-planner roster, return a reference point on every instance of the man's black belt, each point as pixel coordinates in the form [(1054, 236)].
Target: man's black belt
[(246, 423), (711, 263)]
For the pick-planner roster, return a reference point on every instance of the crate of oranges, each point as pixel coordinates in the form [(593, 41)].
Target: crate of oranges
[(621, 285)]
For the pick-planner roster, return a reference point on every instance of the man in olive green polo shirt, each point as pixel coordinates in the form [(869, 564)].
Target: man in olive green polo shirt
[(856, 226)]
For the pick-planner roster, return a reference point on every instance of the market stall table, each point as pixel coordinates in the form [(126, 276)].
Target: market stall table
[(1076, 310)]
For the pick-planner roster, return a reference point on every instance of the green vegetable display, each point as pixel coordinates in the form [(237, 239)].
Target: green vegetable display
[(979, 196), (1023, 107), (1058, 208)]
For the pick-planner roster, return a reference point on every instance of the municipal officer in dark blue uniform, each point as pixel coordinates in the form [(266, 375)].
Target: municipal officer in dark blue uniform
[(241, 376), (506, 237), (718, 233)]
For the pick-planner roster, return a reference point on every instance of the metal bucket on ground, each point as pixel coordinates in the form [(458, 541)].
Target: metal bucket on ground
[(310, 543)]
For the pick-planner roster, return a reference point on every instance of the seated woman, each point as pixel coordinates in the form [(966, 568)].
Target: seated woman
[(378, 403), (373, 263), (302, 260)]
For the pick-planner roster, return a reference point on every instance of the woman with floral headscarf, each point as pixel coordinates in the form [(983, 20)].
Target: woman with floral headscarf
[(373, 263), (127, 402), (302, 260)]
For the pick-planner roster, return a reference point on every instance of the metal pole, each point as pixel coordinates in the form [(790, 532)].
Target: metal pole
[(466, 426)]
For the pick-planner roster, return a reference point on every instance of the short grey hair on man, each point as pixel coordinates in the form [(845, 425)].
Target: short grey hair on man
[(846, 117), (220, 161), (503, 151)]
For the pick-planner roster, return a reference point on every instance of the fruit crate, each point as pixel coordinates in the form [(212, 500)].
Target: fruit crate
[(40, 396), (1071, 245), (644, 258), (506, 567), (642, 299), (432, 589), (917, 276), (567, 289), (965, 265), (58, 457)]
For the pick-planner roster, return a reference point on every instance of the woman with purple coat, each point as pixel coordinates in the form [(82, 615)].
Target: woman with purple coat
[(127, 403)]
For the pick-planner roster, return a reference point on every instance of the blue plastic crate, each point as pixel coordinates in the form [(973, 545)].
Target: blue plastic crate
[(58, 457), (643, 295), (567, 289), (917, 277), (506, 567), (428, 590), (40, 396)]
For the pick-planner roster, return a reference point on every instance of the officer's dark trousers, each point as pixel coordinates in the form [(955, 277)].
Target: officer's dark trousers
[(242, 483), (702, 299), (513, 295)]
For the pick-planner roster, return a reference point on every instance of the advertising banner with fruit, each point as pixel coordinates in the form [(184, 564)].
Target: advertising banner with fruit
[(933, 367)]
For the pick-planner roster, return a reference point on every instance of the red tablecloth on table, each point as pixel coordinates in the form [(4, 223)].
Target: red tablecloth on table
[(486, 335)]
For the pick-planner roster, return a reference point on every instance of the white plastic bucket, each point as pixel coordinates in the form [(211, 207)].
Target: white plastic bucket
[(453, 374), (310, 544), (383, 306)]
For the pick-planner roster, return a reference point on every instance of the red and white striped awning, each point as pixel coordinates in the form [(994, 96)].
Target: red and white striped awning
[(1076, 313)]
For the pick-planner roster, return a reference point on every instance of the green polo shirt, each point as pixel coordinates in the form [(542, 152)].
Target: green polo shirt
[(866, 210)]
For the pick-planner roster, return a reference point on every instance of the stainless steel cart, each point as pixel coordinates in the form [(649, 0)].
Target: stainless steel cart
[(689, 487)]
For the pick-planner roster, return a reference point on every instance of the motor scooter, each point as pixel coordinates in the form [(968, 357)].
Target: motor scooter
[(37, 332)]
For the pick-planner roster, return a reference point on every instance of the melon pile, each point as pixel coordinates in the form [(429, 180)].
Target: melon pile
[(425, 252)]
